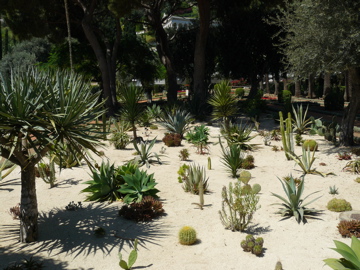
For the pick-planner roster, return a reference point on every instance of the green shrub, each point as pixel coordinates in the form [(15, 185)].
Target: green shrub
[(183, 172), (187, 235), (239, 92), (311, 144), (199, 136), (184, 154), (339, 205)]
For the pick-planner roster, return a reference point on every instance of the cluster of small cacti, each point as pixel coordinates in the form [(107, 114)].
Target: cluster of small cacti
[(245, 177), (339, 205), (187, 235), (248, 162), (312, 145), (250, 244)]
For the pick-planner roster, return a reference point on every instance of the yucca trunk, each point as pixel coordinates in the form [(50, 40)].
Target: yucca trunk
[(28, 205)]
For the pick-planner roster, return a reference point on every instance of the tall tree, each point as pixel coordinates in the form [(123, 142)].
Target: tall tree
[(199, 86), (90, 20), (156, 13), (37, 110), (322, 36)]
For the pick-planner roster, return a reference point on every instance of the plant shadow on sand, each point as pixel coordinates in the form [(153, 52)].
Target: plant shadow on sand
[(72, 232)]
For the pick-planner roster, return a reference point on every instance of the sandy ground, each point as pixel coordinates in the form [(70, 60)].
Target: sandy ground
[(67, 241)]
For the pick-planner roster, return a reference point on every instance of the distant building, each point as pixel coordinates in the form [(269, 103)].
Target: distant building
[(177, 21)]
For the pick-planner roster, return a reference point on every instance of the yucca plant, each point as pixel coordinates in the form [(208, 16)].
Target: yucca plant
[(293, 205), (223, 102), (144, 154), (131, 108), (137, 186), (66, 157), (300, 121), (238, 134), (232, 157), (7, 167), (351, 256), (176, 121)]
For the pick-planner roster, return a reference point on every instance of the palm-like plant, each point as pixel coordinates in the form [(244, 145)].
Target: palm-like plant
[(38, 109), (293, 205), (132, 109), (145, 156), (223, 102), (232, 157), (300, 121)]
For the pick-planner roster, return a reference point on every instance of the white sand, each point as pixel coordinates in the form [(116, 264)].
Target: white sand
[(67, 242)]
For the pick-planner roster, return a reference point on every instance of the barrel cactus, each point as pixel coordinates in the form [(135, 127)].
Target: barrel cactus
[(257, 250), (187, 235), (311, 144)]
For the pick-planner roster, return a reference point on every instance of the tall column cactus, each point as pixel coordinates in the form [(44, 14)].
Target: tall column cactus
[(287, 135)]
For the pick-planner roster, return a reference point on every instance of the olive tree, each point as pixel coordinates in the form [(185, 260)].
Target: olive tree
[(322, 36), (38, 111)]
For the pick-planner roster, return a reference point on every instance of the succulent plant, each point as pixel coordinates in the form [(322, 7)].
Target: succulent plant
[(245, 177), (187, 235), (249, 238), (259, 241), (278, 266), (256, 188), (257, 250), (339, 205), (349, 228), (311, 144)]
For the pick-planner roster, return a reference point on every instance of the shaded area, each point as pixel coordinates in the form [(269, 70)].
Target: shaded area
[(72, 232), (10, 182)]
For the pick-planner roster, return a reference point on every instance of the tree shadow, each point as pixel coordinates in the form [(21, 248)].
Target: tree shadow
[(9, 258), (10, 182), (73, 232)]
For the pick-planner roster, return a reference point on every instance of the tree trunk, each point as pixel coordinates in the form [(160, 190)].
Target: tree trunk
[(105, 60), (1, 54), (348, 120), (276, 83), (165, 55), (311, 86), (347, 94), (200, 48), (297, 88), (267, 85), (254, 86), (28, 205), (327, 84), (284, 81)]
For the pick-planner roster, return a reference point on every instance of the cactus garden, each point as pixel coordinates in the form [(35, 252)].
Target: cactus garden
[(171, 227)]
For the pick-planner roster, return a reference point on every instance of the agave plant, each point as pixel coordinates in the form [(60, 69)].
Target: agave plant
[(300, 121), (351, 255), (305, 161), (293, 205), (223, 102), (137, 186), (195, 176), (232, 157), (238, 134), (145, 156), (154, 111), (176, 121), (104, 185)]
